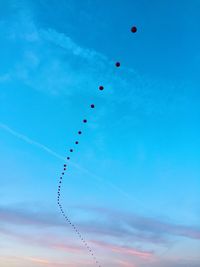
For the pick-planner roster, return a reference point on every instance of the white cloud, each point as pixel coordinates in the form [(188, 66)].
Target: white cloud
[(66, 42)]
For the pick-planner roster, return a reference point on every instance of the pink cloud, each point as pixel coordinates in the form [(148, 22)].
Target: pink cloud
[(125, 250)]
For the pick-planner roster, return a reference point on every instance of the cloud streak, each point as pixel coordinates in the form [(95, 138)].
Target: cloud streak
[(133, 227), (25, 217), (60, 39)]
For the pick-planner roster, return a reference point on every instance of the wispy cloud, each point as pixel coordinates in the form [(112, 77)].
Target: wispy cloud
[(60, 39), (38, 218), (134, 227)]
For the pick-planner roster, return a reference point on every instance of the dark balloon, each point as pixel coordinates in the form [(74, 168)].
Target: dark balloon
[(76, 142), (65, 165), (71, 150), (92, 106), (79, 132), (101, 87), (84, 120), (133, 29), (68, 158), (117, 64)]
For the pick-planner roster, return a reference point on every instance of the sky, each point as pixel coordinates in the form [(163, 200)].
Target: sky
[(133, 182)]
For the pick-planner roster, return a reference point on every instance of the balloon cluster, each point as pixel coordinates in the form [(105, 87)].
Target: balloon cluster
[(65, 167)]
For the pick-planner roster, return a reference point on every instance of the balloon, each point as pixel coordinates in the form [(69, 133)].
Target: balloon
[(133, 29), (117, 64)]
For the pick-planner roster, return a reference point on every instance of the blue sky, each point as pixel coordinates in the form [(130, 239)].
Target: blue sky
[(133, 182)]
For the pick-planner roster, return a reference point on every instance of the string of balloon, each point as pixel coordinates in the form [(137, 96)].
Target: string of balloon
[(65, 167)]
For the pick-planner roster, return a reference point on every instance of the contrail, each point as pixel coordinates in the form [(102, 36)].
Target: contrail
[(30, 141)]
